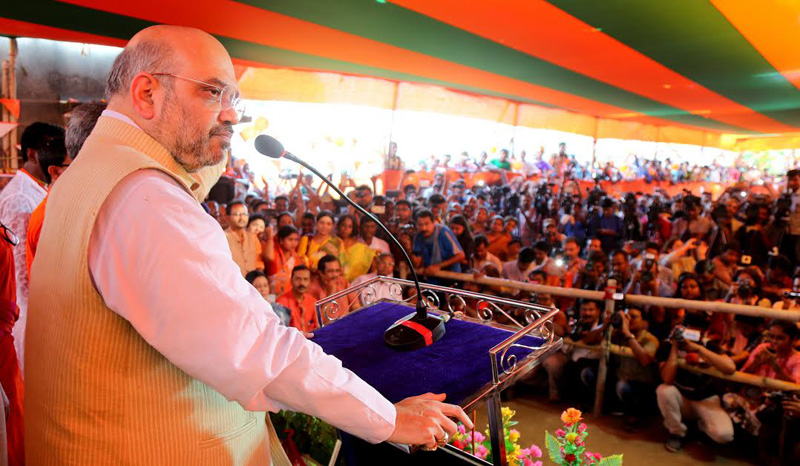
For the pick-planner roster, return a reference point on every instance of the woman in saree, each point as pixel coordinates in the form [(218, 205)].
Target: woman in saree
[(283, 259), (323, 242), (356, 257)]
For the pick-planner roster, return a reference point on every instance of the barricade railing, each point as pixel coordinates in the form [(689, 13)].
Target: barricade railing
[(630, 299), (606, 348), (737, 377)]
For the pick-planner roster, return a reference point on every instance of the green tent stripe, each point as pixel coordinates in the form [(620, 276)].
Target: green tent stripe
[(407, 29), (101, 23), (693, 38)]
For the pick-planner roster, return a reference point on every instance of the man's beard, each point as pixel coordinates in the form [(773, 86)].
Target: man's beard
[(191, 148)]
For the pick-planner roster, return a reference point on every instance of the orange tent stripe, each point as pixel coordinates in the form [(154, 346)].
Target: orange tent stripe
[(542, 30), (773, 30), (12, 27), (275, 30)]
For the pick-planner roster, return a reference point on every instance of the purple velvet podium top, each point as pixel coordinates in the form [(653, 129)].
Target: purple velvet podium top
[(457, 365)]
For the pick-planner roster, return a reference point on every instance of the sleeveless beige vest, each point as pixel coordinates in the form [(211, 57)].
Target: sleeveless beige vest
[(96, 392)]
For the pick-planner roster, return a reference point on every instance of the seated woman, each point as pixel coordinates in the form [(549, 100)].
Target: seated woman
[(777, 358), (257, 225), (355, 256), (282, 258), (464, 236), (314, 248), (481, 217), (261, 284), (498, 238), (774, 359)]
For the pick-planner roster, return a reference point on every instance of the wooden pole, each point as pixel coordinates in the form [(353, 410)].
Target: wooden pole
[(738, 377)]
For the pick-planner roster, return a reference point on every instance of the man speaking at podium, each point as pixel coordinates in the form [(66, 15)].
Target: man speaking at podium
[(145, 345)]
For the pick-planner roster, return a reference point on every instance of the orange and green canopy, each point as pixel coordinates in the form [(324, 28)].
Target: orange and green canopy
[(722, 66)]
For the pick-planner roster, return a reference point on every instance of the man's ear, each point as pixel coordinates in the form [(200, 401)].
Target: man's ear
[(32, 156), (54, 171), (142, 99)]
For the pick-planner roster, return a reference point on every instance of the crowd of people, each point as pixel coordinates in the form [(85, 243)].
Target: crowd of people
[(741, 248), (305, 245), (562, 164)]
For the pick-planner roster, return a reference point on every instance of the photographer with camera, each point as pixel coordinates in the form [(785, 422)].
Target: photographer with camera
[(588, 330), (690, 223), (608, 227), (756, 411), (685, 394), (621, 268), (790, 299), (636, 375), (790, 245), (746, 289), (753, 237), (726, 263), (777, 358), (650, 278), (569, 264), (713, 288), (573, 222), (551, 236)]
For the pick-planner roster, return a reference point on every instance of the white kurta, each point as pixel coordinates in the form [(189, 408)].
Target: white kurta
[(17, 201), (164, 265)]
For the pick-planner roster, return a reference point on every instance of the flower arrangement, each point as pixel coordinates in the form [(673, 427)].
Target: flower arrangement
[(568, 446), (480, 445)]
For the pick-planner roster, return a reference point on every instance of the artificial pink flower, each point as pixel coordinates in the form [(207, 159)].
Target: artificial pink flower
[(593, 457), (462, 429), (479, 437), (481, 451), (581, 427), (560, 433), (535, 451)]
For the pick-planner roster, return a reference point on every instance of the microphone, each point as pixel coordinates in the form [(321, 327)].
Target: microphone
[(413, 331)]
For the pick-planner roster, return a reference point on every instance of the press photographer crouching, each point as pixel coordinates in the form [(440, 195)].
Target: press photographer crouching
[(636, 376), (690, 395)]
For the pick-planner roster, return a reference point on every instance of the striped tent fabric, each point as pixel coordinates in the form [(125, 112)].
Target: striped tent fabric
[(714, 66)]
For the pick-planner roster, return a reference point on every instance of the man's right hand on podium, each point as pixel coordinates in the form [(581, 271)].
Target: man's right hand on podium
[(424, 420)]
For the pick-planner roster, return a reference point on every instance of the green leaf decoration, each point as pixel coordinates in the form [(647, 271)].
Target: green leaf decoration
[(553, 448), (613, 460)]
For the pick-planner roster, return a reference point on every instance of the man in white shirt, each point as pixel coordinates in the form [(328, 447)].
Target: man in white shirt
[(384, 268), (170, 275), (519, 270), (368, 230), (42, 147)]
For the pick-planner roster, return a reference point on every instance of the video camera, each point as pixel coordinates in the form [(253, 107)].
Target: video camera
[(681, 333), (647, 274)]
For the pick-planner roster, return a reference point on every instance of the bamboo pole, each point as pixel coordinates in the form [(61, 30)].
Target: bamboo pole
[(738, 377), (641, 300)]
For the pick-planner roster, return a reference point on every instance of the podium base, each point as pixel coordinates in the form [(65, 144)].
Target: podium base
[(412, 333)]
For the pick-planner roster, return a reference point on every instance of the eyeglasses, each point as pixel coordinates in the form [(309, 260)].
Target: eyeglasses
[(219, 98), (9, 235)]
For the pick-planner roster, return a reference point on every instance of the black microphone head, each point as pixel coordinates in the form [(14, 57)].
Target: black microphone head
[(269, 146)]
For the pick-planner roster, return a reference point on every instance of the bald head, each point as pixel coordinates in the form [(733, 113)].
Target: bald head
[(164, 49), (178, 86)]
